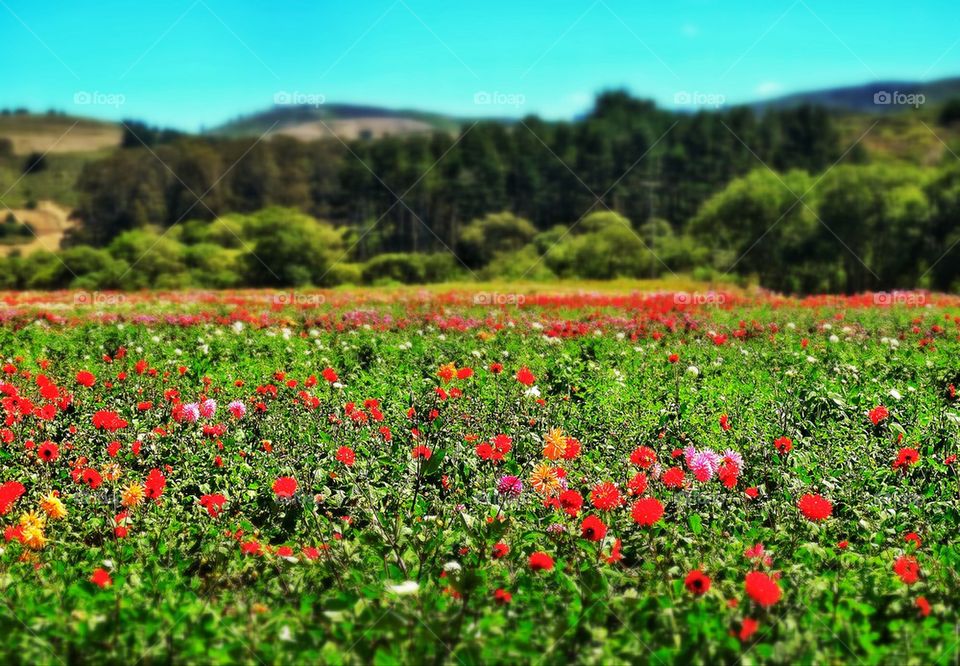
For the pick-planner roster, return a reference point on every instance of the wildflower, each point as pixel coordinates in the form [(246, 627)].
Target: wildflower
[(525, 377), (48, 452), (605, 496), (346, 455), (923, 606), (697, 582), (85, 378), (643, 457), (615, 554), (906, 457), (421, 452), (91, 478), (155, 484), (783, 445), (912, 537), (502, 597), (879, 414), (815, 507), (101, 578), (500, 550), (330, 375), (53, 506), (638, 484), (748, 628), (571, 502), (554, 443), (132, 495), (10, 492), (724, 422), (213, 504), (762, 588), (674, 478), (545, 480), (907, 568), (191, 412), (593, 529), (285, 486), (647, 511), (511, 486), (540, 561), (237, 409), (208, 408)]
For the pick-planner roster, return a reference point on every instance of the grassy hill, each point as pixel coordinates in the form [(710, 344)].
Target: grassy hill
[(349, 121), (861, 98)]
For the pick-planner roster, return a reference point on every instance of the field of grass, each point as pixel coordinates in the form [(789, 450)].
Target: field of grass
[(475, 475)]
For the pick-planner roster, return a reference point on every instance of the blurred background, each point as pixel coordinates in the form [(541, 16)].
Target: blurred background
[(803, 146)]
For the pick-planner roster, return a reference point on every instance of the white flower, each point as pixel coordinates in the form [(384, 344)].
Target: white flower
[(238, 327), (532, 392), (693, 370), (405, 588), (834, 338), (894, 393), (452, 567), (108, 564), (285, 634)]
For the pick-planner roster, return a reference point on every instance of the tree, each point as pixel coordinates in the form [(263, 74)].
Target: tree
[(494, 233)]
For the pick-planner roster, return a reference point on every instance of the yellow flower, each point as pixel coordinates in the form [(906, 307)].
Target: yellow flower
[(132, 495), (545, 480), (33, 519), (33, 537), (112, 472), (554, 444), (53, 506)]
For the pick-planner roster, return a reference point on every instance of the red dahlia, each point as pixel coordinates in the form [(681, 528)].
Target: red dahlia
[(540, 561), (285, 486), (605, 496), (815, 507), (907, 568), (593, 528), (647, 511), (697, 582), (762, 588)]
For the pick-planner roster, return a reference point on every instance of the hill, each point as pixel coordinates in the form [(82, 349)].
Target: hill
[(56, 133), (348, 121), (877, 97)]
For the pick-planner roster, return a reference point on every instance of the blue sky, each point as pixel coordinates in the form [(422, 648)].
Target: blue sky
[(194, 63)]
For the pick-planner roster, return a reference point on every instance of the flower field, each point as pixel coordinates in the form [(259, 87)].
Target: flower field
[(471, 477)]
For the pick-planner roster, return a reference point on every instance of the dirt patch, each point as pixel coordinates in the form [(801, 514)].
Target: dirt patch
[(49, 222)]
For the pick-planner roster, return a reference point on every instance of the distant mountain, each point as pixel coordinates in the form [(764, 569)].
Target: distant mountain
[(876, 97), (348, 121)]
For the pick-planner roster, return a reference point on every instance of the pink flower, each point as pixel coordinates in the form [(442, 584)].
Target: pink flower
[(208, 408), (237, 409), (510, 485), (191, 412)]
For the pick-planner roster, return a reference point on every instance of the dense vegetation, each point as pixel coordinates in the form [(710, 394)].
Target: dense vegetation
[(584, 479), (787, 198)]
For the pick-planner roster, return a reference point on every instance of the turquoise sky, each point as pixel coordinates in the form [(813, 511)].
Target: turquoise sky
[(194, 63)]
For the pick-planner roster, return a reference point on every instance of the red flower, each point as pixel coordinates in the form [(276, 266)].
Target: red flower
[(907, 568), (525, 377), (673, 358), (923, 606), (748, 629), (540, 561), (906, 457), (913, 538), (752, 492), (638, 484), (593, 529), (605, 496), (724, 422), (762, 588), (697, 582), (155, 484), (85, 378), (615, 553), (10, 492), (500, 550), (879, 414), (330, 375), (571, 501), (643, 457), (674, 478), (213, 504), (101, 578), (110, 421), (91, 478), (783, 444), (346, 455), (815, 507), (647, 511), (48, 452), (285, 486), (421, 452), (501, 596)]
